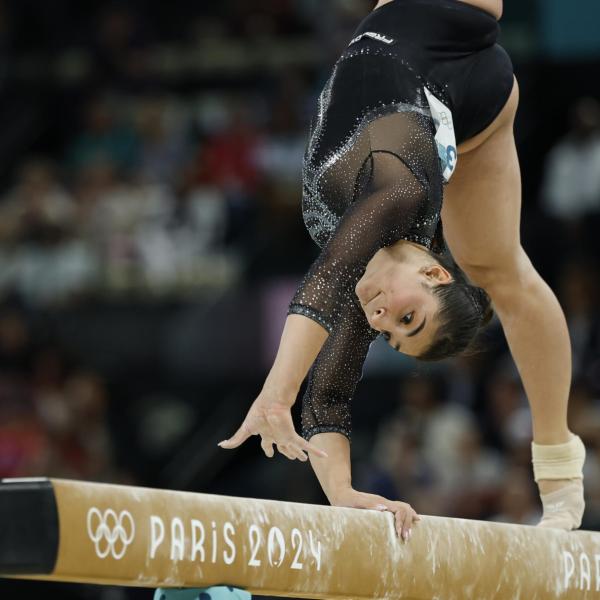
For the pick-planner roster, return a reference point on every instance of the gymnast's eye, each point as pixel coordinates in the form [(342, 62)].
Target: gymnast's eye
[(407, 319)]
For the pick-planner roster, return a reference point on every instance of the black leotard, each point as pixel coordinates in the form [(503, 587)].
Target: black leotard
[(373, 173)]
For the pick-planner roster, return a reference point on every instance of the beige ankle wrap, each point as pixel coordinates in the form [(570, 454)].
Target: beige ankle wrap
[(558, 461)]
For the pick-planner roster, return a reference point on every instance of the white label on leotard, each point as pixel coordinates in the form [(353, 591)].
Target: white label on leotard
[(444, 136)]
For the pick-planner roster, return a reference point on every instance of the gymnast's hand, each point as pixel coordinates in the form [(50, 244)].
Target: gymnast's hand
[(272, 421), (404, 514)]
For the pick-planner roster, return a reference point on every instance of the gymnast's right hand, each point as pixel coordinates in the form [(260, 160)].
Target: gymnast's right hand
[(272, 421), (404, 514)]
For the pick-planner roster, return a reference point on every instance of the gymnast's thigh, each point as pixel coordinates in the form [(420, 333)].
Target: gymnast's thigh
[(482, 202)]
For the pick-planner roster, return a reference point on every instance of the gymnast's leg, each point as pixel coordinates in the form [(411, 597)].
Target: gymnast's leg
[(481, 216)]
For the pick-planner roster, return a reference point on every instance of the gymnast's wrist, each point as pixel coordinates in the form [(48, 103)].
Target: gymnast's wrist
[(341, 495), (279, 392)]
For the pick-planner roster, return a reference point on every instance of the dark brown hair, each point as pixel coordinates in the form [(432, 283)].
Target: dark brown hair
[(464, 310)]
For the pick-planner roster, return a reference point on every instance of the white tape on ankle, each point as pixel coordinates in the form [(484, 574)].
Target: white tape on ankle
[(564, 508), (558, 461)]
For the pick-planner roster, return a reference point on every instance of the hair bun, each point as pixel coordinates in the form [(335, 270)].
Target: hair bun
[(485, 306), (487, 315), (482, 303)]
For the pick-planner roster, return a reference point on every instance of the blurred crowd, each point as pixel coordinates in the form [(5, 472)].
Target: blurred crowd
[(149, 178), (53, 412), (152, 195)]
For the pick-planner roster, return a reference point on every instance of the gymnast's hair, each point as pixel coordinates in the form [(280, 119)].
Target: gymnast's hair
[(464, 310)]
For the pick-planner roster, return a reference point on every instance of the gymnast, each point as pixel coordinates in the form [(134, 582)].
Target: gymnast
[(420, 105)]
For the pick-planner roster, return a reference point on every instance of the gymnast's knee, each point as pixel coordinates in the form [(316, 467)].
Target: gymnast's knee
[(505, 277)]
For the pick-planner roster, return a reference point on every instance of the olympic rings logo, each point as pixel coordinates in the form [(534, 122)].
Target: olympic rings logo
[(110, 533)]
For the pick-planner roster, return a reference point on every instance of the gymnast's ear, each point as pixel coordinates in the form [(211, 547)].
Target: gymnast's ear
[(437, 274)]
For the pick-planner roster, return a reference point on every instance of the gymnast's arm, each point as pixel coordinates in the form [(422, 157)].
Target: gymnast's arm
[(334, 475), (326, 419), (301, 342), (326, 406)]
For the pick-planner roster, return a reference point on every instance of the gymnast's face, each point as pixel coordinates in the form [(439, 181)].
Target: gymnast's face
[(396, 294)]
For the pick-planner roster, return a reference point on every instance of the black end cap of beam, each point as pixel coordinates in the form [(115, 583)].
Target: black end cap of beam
[(28, 527)]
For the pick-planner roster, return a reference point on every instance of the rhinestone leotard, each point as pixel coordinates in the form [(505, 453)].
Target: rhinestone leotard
[(371, 177)]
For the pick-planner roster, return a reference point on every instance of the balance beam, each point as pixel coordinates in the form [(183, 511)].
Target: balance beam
[(74, 531)]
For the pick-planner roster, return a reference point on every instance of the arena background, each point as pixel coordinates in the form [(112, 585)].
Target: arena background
[(151, 237)]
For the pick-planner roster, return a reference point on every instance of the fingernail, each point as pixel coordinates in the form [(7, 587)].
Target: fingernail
[(409, 533), (381, 507)]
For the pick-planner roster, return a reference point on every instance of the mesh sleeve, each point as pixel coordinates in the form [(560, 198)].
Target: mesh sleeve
[(393, 206), (334, 376)]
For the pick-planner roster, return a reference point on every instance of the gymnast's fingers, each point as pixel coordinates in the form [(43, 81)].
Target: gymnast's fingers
[(284, 450), (298, 453), (237, 439), (400, 516), (267, 446), (398, 523), (407, 520)]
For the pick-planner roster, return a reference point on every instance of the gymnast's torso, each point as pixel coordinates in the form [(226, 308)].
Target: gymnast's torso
[(376, 163), (401, 49)]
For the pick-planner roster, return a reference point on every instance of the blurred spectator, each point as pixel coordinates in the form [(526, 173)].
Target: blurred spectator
[(477, 477), (106, 135), (41, 256), (518, 502), (52, 417), (571, 185), (163, 131), (398, 469), (438, 425), (72, 411), (281, 148), (23, 441), (16, 345), (584, 414), (121, 38), (578, 293), (36, 206), (507, 415), (24, 446), (228, 157)]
